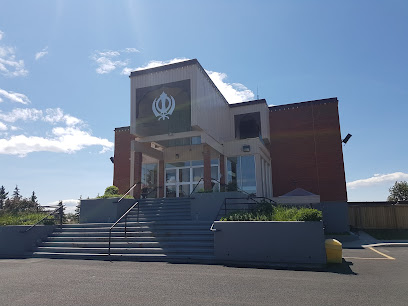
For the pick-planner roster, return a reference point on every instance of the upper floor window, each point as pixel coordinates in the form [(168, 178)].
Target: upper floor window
[(247, 125)]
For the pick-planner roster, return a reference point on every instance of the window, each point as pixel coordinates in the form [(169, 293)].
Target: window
[(247, 125), (241, 171)]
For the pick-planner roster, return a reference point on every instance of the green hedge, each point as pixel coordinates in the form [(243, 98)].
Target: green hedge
[(23, 218), (269, 212)]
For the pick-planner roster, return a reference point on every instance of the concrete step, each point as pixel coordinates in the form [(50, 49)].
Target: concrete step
[(129, 244), (130, 225), (186, 238), (146, 233), (134, 229), (127, 250), (163, 212), (159, 218), (130, 257)]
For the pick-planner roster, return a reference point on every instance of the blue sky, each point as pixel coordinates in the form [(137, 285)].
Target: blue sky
[(64, 82)]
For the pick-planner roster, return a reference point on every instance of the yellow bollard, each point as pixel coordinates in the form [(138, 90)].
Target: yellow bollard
[(333, 251)]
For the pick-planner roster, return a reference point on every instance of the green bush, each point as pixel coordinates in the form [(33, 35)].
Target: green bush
[(309, 214), (9, 218), (113, 192), (269, 212)]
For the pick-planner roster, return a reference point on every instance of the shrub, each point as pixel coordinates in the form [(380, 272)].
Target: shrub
[(111, 190), (309, 214), (22, 218), (268, 212)]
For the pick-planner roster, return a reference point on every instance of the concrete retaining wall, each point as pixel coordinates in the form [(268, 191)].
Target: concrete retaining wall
[(103, 210), (270, 242), (15, 243), (205, 206), (335, 216)]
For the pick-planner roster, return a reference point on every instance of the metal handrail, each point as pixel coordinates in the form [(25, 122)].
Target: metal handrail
[(214, 229), (196, 185), (151, 191), (250, 196), (130, 189), (124, 215), (60, 210)]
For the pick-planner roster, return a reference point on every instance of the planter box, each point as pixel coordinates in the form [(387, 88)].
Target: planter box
[(295, 242), (103, 210), (15, 243)]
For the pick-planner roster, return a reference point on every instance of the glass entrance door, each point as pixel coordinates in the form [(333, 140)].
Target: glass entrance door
[(182, 177)]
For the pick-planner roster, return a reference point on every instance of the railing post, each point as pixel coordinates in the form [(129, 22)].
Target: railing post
[(126, 226), (61, 212), (110, 234)]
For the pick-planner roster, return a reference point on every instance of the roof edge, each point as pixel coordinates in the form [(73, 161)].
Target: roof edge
[(164, 67), (303, 104), (245, 103)]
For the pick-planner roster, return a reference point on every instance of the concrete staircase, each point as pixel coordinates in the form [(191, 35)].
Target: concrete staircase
[(165, 232)]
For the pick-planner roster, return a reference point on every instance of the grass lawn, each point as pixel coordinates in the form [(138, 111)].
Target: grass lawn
[(388, 234)]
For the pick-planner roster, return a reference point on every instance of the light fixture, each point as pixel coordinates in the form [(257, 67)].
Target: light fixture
[(112, 160), (246, 148), (347, 138)]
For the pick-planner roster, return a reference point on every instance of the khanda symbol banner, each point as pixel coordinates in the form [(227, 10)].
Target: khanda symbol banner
[(163, 106)]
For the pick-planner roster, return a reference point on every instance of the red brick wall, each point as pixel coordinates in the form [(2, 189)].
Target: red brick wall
[(306, 149), (121, 168)]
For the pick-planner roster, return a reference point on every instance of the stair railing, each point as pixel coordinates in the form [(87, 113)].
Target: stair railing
[(58, 210), (130, 189), (144, 196), (250, 196), (196, 185), (123, 216)]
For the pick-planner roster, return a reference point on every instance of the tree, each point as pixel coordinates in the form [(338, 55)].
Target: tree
[(34, 198), (398, 192), (3, 196), (111, 190), (16, 194)]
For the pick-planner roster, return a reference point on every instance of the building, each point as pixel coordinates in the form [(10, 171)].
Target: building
[(184, 136)]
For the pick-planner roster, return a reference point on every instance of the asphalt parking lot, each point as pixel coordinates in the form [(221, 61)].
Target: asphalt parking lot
[(366, 277)]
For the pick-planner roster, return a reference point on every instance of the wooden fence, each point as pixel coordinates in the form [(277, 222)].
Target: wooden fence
[(381, 215)]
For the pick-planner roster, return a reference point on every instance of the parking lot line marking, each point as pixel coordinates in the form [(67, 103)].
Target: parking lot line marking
[(375, 258), (385, 255)]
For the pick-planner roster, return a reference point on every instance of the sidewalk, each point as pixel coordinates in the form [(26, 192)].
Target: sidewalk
[(363, 239)]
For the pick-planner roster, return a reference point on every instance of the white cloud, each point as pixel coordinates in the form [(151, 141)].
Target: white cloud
[(233, 92), (1, 35), (50, 115), (69, 204), (130, 50), (3, 127), (42, 53), (9, 65), (64, 140), (24, 114), (153, 64), (108, 61), (14, 96), (378, 179)]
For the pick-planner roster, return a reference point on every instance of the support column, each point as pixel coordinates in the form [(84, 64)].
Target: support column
[(207, 167), (222, 172), (161, 179), (137, 170)]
